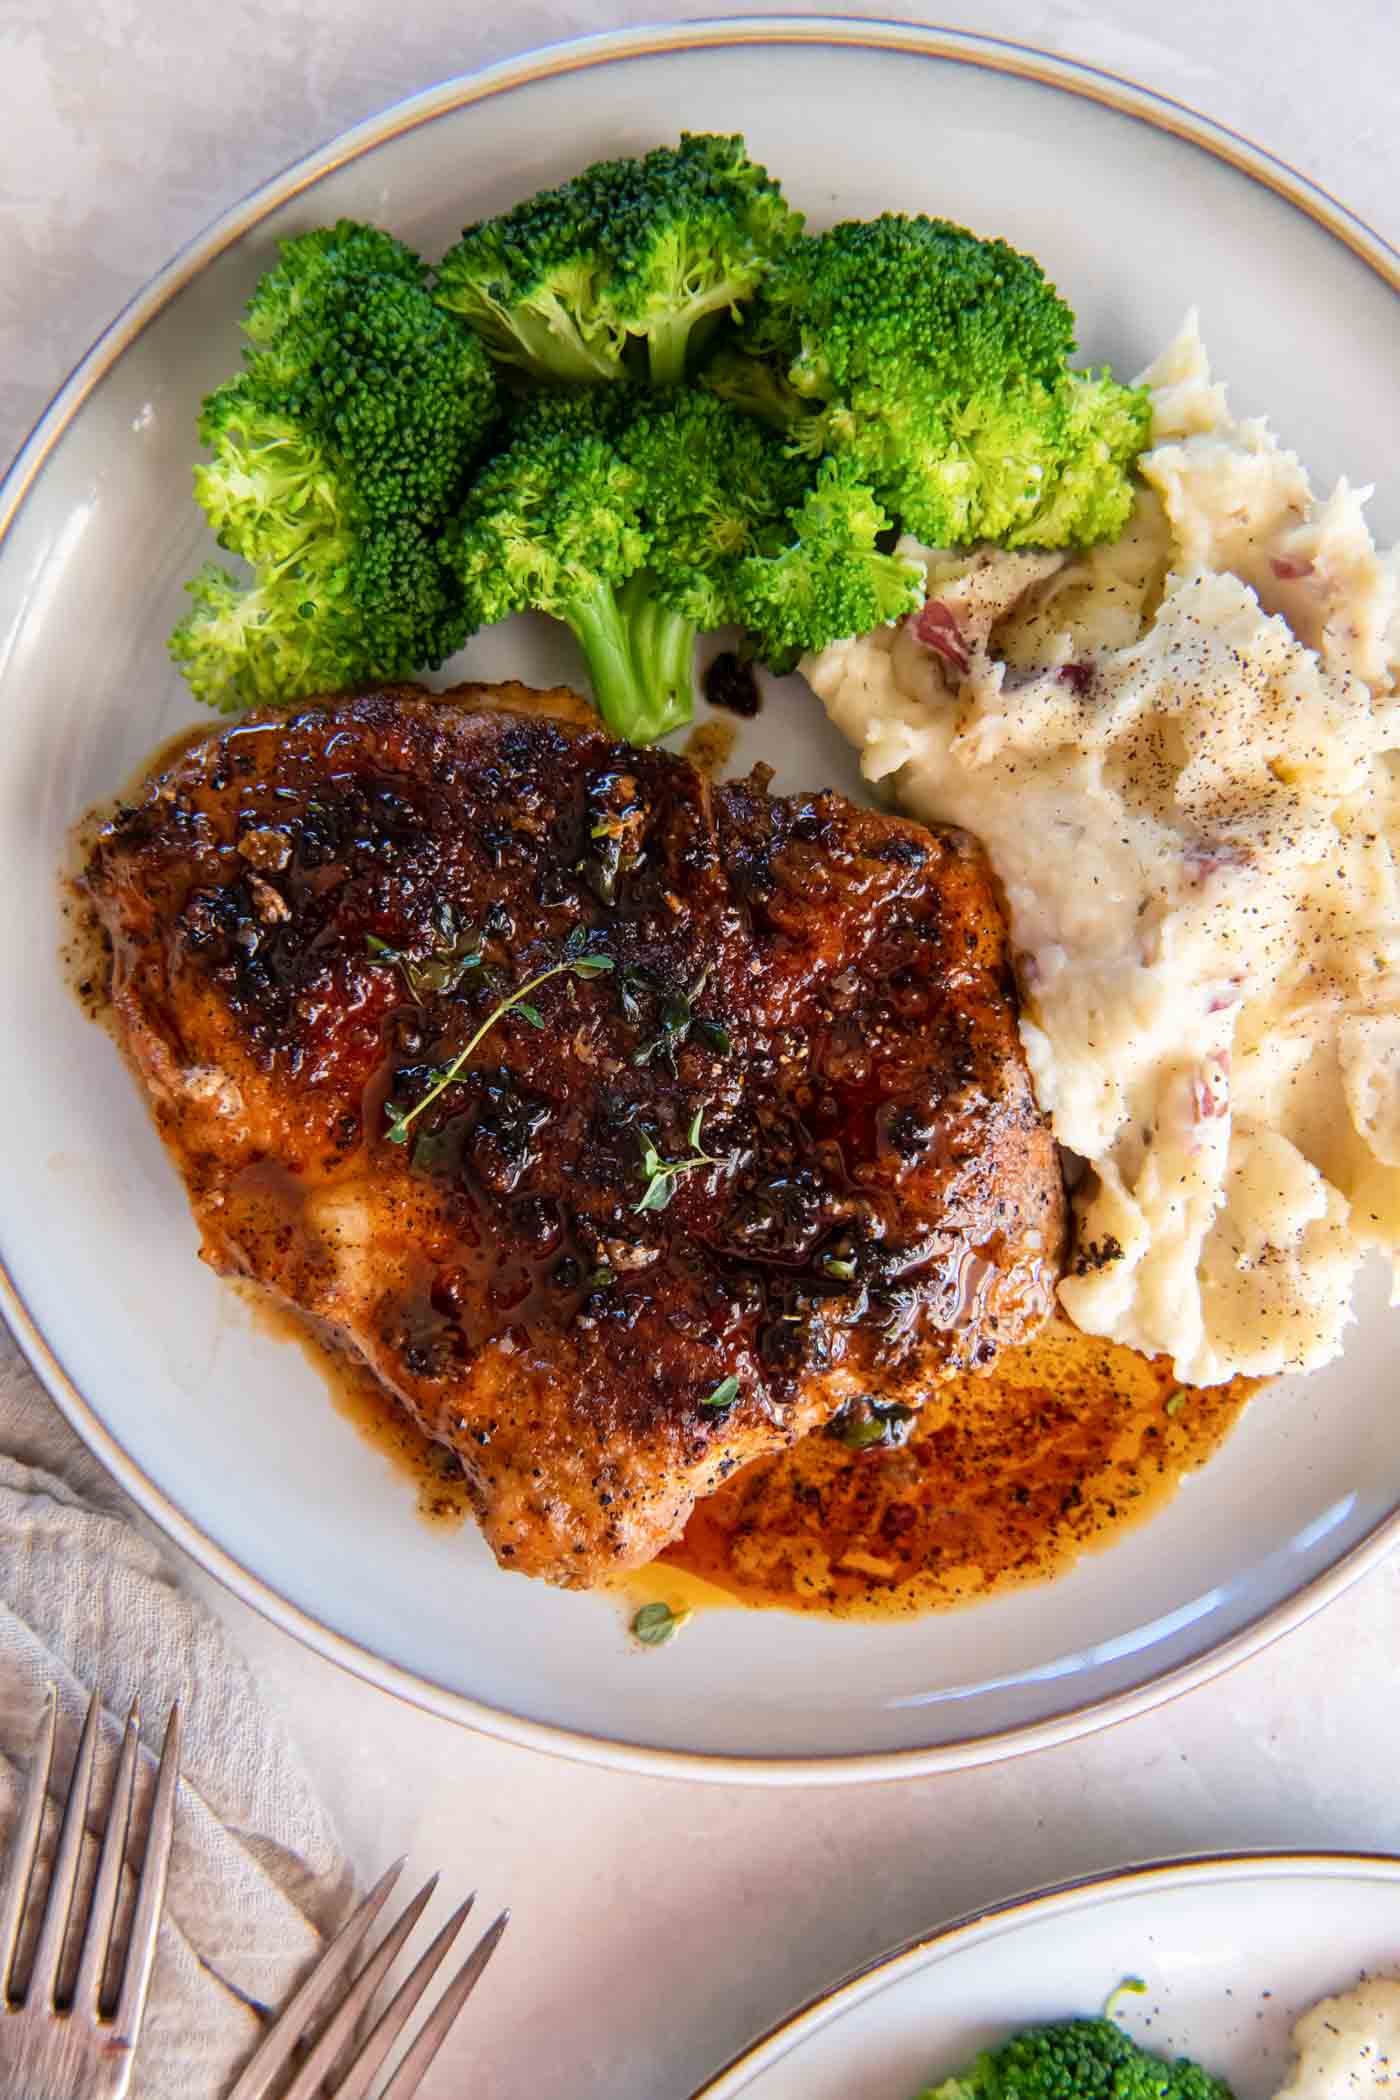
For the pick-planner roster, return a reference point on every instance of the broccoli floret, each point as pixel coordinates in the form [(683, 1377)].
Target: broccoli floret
[(626, 514), (338, 454), (934, 363), (631, 255), (1077, 2060), (831, 578), (972, 313), (717, 492), (762, 390), (553, 523)]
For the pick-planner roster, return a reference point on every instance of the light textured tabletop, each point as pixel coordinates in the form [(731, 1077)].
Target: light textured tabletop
[(658, 1924)]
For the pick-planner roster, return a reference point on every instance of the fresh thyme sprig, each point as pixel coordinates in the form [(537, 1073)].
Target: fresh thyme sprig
[(661, 1175), (576, 964)]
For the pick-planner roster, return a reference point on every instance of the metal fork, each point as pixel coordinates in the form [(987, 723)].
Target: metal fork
[(80, 2046), (320, 1989)]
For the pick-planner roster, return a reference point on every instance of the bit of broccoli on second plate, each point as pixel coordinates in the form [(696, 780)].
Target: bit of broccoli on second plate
[(338, 454), (1077, 2060), (622, 271), (933, 363)]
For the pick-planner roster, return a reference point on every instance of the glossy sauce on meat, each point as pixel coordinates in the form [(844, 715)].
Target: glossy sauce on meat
[(804, 1043)]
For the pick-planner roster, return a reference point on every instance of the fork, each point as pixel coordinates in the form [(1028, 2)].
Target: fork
[(80, 2045), (318, 1993)]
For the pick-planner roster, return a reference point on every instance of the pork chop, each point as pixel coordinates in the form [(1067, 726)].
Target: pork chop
[(763, 1143)]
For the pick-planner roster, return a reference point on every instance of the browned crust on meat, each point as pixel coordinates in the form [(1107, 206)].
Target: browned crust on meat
[(888, 1207)]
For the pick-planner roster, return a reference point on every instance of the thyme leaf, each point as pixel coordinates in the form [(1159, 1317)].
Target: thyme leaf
[(431, 1148), (629, 982), (674, 1026), (676, 1017), (863, 1424), (579, 959), (715, 1037), (655, 1624), (662, 1175), (457, 949)]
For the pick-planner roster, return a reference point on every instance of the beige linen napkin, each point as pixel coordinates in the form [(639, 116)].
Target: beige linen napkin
[(89, 1601)]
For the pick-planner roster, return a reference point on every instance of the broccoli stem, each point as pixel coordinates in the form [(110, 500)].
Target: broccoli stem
[(663, 651), (551, 348), (640, 659), (677, 344), (667, 346)]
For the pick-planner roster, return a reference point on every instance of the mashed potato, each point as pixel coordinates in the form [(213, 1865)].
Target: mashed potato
[(1348, 2046), (1182, 752)]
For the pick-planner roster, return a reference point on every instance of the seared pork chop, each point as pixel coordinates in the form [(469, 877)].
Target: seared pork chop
[(764, 1143)]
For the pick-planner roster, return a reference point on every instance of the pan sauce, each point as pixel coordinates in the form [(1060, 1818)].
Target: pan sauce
[(434, 1472), (1007, 1477)]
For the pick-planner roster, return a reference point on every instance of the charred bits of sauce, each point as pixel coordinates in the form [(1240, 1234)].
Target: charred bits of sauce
[(1000, 1479), (730, 681)]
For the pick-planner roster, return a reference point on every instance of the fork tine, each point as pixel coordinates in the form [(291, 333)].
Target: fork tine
[(388, 2027), (150, 1894), (48, 1955), (413, 2069), (26, 1843), (345, 2018), (286, 2031), (87, 1991)]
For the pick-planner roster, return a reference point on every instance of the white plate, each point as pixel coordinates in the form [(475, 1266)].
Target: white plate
[(224, 1434), (1231, 1950)]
